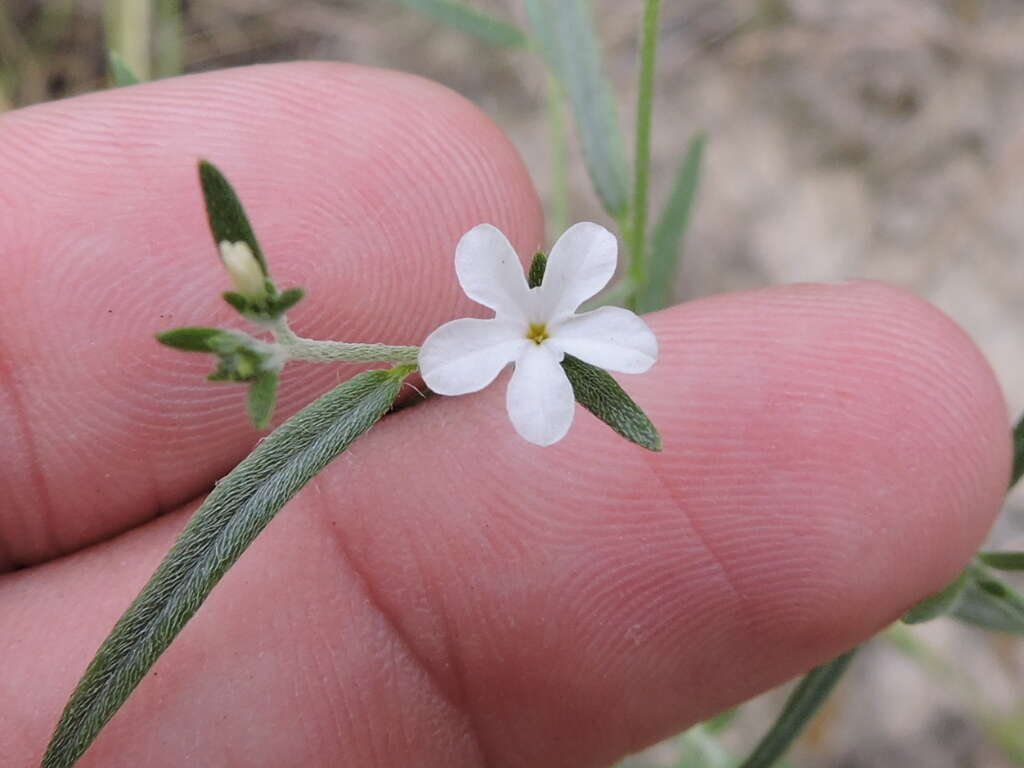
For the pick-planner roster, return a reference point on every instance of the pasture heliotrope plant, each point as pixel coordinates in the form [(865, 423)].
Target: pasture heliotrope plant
[(535, 327)]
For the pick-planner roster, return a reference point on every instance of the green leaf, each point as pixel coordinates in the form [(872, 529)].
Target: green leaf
[(286, 300), (800, 708), (262, 397), (564, 30), (239, 507), (989, 602), (119, 71), (225, 212), (600, 394), (191, 338), (238, 301), (670, 231), (936, 605), (1018, 452), (470, 21), (1004, 561), (537, 267)]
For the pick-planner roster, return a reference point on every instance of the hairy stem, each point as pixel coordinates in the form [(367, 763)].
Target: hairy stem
[(299, 348)]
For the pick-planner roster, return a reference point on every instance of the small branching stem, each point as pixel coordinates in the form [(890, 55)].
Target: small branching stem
[(299, 348)]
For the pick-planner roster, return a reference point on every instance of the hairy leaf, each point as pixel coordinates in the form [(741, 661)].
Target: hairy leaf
[(225, 213), (600, 394), (239, 507)]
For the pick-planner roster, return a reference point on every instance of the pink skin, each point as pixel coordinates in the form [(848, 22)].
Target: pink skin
[(445, 594)]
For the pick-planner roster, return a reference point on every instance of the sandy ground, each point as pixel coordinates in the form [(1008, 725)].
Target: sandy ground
[(848, 138)]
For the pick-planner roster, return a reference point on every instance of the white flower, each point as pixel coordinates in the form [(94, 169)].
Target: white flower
[(535, 327), (244, 269)]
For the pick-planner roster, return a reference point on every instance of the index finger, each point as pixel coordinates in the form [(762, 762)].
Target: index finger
[(359, 183)]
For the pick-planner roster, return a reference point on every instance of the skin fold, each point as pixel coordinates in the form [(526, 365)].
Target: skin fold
[(444, 594)]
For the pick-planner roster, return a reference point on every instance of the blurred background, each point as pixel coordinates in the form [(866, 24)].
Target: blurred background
[(846, 138)]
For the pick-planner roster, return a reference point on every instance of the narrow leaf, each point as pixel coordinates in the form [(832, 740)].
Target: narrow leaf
[(225, 212), (470, 21), (600, 394), (936, 605), (262, 397), (190, 338), (120, 73), (287, 300), (239, 507), (238, 301), (670, 231), (800, 708), (1004, 561), (564, 30), (989, 602), (1018, 452)]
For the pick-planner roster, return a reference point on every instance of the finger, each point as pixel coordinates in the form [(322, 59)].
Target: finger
[(447, 594), (359, 183)]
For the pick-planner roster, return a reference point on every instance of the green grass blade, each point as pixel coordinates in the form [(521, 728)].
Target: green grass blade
[(1018, 452), (989, 602), (642, 146), (669, 232), (470, 21), (240, 506), (800, 707), (119, 72), (1004, 561), (564, 30)]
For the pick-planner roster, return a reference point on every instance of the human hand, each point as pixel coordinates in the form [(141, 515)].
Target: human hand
[(444, 593)]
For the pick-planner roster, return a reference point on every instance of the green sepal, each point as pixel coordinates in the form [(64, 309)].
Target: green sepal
[(239, 357), (989, 602), (936, 605), (288, 299), (600, 394), (225, 213), (191, 338), (262, 398), (237, 300), (537, 267), (1004, 561), (119, 72)]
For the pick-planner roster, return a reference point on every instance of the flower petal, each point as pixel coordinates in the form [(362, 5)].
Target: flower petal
[(581, 263), (609, 337), (539, 399), (490, 273), (466, 355)]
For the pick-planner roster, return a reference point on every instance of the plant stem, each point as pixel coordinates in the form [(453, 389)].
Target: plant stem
[(559, 157), (129, 24), (299, 348), (642, 153), (168, 38)]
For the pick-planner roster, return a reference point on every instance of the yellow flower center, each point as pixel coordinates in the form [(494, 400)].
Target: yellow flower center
[(538, 333)]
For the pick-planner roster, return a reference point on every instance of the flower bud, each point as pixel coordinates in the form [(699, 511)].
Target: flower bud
[(244, 269)]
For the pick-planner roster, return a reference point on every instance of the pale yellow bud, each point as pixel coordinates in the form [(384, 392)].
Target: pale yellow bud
[(244, 269)]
